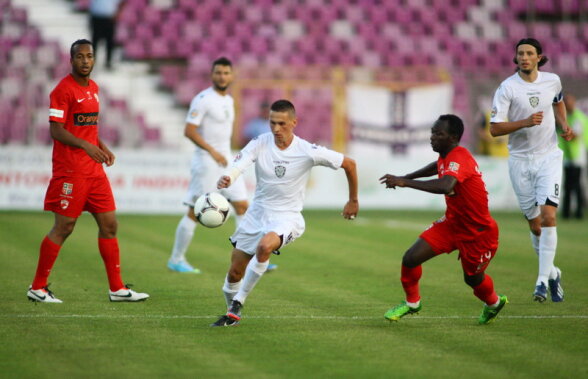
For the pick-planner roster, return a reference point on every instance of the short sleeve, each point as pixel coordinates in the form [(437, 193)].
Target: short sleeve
[(458, 165), (58, 105), (500, 104), (326, 157), (558, 90), (197, 111)]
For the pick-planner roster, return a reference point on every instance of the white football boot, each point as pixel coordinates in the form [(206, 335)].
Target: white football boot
[(126, 294), (42, 295)]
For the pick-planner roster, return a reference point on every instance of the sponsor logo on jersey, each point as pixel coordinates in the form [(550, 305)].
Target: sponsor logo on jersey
[(64, 204), (534, 101), (193, 114), (494, 112), (86, 119), (67, 188), (280, 171), (453, 166)]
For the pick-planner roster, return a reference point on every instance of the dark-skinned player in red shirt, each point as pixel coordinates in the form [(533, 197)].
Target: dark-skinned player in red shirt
[(78, 182), (467, 225)]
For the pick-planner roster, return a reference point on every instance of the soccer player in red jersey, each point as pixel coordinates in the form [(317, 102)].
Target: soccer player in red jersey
[(467, 225), (79, 182)]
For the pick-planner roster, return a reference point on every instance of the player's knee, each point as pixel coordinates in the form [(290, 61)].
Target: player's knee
[(64, 229), (536, 229), (548, 220), (235, 274), (108, 230), (408, 260)]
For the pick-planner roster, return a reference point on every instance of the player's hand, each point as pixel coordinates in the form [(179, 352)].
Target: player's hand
[(567, 133), (223, 182), (97, 154), (219, 158), (350, 210), (535, 119), (109, 157), (391, 181)]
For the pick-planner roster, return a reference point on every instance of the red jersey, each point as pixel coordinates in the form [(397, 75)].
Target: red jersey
[(77, 108), (467, 206)]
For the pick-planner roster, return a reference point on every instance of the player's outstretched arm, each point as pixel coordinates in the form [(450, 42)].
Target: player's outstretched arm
[(352, 206), (59, 133), (442, 185)]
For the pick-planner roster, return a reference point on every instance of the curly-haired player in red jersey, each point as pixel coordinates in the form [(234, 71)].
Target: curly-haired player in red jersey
[(467, 225), (79, 182)]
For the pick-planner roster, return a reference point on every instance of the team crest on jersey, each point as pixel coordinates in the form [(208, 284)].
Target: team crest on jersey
[(280, 171), (67, 189), (453, 166), (238, 157), (64, 204), (534, 101)]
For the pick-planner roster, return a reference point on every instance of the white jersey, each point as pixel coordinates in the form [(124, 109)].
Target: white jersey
[(214, 114), (282, 174), (516, 100)]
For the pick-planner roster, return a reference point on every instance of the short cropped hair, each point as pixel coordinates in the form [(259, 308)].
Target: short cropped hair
[(76, 43), (536, 44), (454, 125), (283, 106), (222, 61)]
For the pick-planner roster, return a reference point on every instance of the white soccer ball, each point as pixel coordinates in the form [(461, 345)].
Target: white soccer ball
[(212, 209)]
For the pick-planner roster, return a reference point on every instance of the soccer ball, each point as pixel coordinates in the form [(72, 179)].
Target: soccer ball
[(212, 209)]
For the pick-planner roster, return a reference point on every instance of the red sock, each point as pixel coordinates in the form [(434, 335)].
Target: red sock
[(410, 282), (47, 255), (485, 291), (111, 256)]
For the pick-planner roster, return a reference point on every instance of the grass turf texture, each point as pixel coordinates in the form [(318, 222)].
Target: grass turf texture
[(320, 314)]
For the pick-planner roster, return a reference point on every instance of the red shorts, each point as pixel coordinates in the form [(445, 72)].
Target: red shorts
[(475, 255), (71, 196)]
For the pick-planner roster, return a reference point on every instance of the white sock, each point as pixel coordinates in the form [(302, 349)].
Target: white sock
[(414, 305), (495, 304), (184, 233), (535, 242), (547, 246), (238, 219), (253, 273), (229, 290)]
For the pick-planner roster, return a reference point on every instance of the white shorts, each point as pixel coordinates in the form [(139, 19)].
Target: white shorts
[(258, 222), (205, 173), (536, 180)]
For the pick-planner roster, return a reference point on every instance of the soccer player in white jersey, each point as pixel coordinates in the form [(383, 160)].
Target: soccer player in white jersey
[(526, 107), (282, 165), (209, 125)]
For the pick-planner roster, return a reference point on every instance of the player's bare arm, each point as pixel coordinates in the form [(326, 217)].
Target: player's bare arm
[(442, 185), (352, 206), (191, 132), (498, 129), (428, 170), (561, 117), (59, 133)]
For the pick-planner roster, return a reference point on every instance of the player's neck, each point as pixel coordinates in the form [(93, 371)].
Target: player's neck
[(529, 76), (84, 81), (284, 144)]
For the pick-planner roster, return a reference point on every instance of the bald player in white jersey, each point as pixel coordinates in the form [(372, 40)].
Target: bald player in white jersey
[(526, 107), (282, 165), (209, 125)]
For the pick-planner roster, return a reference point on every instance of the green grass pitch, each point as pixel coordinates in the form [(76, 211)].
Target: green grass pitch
[(319, 315)]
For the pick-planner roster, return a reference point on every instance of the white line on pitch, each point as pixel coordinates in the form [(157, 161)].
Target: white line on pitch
[(309, 317)]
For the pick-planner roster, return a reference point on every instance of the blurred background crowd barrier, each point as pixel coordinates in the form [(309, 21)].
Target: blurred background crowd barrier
[(368, 77)]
